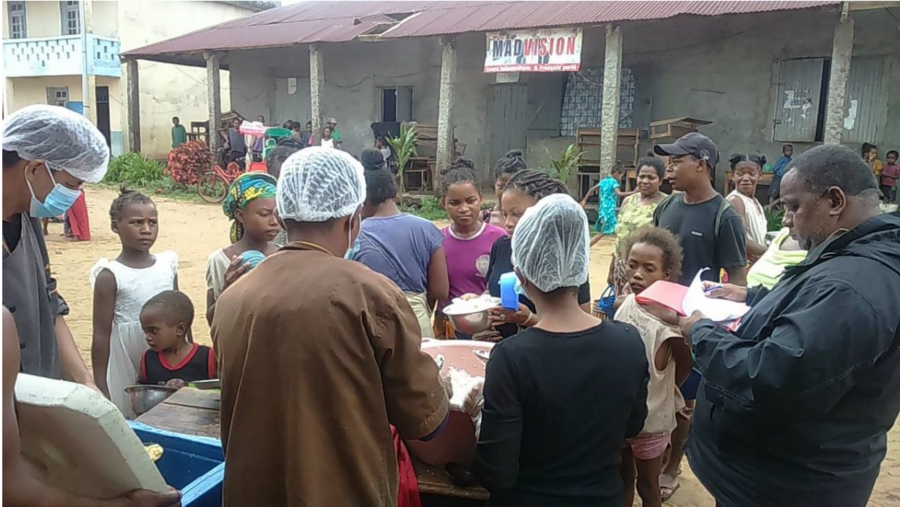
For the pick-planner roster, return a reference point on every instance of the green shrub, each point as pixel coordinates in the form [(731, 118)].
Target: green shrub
[(773, 219), (566, 163), (134, 170), (405, 147), (430, 209)]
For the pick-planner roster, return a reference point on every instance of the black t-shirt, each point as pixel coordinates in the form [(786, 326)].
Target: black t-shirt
[(500, 263), (557, 410), (695, 226)]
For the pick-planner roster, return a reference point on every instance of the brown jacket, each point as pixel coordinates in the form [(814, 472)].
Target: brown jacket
[(317, 355)]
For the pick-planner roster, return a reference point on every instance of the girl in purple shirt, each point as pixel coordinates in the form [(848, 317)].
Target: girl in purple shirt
[(468, 240)]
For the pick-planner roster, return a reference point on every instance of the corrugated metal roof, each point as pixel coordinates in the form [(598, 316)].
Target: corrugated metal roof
[(515, 15), (312, 22)]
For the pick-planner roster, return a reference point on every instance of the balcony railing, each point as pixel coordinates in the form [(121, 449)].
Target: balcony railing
[(60, 56)]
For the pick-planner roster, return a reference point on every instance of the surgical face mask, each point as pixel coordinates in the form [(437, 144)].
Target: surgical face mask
[(57, 202), (352, 246)]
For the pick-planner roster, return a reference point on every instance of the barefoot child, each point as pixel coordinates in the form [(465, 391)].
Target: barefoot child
[(172, 359), (653, 254), (468, 240), (561, 397), (890, 173), (608, 201), (121, 287)]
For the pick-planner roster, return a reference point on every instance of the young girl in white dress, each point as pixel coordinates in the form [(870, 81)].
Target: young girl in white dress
[(121, 287)]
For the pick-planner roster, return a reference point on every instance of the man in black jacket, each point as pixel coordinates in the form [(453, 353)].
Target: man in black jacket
[(795, 406)]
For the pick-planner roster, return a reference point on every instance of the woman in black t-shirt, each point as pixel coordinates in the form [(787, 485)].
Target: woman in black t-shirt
[(523, 191), (561, 397)]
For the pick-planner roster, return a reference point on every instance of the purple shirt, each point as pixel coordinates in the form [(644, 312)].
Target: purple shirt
[(399, 247), (468, 260)]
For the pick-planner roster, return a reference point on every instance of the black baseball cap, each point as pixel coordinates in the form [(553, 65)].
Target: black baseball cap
[(693, 143)]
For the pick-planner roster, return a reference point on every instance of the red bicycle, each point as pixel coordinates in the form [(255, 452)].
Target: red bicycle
[(213, 185)]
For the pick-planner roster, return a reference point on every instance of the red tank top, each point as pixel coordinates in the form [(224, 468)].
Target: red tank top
[(199, 364)]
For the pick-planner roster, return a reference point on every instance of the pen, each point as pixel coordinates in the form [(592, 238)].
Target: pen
[(711, 288)]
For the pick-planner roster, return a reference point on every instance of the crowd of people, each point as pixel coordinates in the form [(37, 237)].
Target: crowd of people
[(326, 289)]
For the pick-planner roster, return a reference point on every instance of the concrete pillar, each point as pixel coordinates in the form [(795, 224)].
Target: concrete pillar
[(270, 101), (316, 88), (213, 98), (612, 84), (445, 109), (837, 81), (88, 79), (9, 96), (133, 105), (90, 98)]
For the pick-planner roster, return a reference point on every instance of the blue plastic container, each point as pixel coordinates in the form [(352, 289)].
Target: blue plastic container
[(253, 257), (509, 299), (193, 465)]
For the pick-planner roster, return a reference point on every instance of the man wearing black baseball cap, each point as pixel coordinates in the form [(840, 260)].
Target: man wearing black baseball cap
[(710, 232), (711, 235)]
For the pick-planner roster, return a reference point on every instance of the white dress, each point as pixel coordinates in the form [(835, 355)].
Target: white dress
[(127, 340)]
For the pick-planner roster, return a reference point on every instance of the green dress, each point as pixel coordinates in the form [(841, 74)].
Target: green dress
[(632, 216)]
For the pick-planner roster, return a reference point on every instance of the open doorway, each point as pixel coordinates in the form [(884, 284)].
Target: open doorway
[(103, 112), (396, 104)]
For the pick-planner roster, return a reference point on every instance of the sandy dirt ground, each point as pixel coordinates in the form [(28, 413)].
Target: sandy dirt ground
[(196, 230)]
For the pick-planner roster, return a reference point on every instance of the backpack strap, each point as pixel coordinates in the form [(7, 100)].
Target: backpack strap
[(661, 208), (723, 206), (665, 203)]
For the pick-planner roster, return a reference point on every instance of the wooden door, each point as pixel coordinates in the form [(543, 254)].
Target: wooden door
[(507, 119)]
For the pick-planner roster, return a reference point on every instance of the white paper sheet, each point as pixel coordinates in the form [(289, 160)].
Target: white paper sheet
[(716, 310)]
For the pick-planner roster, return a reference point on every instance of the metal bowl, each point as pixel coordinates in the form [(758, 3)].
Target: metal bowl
[(143, 398), (469, 322)]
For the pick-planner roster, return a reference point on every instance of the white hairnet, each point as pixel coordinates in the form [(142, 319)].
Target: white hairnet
[(63, 139), (551, 244), (318, 184)]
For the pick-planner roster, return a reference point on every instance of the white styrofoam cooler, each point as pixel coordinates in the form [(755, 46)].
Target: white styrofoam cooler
[(77, 440)]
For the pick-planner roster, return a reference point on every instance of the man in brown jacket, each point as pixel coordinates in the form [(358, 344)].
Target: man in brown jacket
[(318, 355)]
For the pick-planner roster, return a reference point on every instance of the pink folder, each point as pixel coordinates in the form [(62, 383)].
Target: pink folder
[(668, 294)]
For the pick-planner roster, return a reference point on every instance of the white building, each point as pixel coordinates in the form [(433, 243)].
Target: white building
[(43, 55)]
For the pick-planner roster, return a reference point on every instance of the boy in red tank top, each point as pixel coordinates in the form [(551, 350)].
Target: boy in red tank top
[(173, 360)]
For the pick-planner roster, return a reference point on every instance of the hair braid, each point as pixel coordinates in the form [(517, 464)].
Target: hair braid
[(511, 163), (461, 171), (536, 184), (126, 197)]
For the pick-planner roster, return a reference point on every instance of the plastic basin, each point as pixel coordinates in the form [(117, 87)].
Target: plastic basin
[(456, 443), (193, 465)]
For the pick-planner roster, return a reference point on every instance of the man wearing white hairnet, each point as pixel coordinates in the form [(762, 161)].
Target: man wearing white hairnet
[(48, 154), (318, 355), (561, 397)]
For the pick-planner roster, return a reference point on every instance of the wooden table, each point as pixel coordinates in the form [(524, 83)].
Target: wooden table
[(195, 412)]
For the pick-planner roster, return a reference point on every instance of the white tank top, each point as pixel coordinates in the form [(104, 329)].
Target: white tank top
[(756, 218), (663, 397)]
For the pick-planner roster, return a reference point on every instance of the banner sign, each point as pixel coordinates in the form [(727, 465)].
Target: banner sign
[(537, 50)]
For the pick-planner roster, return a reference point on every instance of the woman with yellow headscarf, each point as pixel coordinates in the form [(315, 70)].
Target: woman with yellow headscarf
[(250, 204)]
